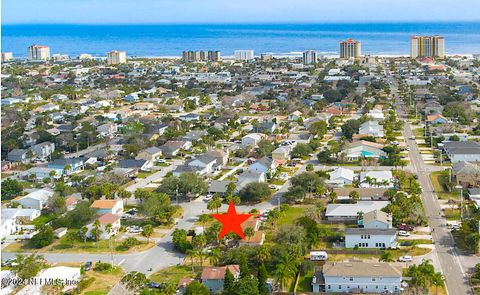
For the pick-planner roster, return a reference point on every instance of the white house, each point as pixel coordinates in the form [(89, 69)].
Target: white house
[(372, 128), (264, 165), (376, 179), (43, 150), (295, 116), (205, 161), (341, 176), (349, 212), (69, 277), (376, 114), (35, 200), (12, 217), (382, 238), (251, 139), (358, 277), (108, 206)]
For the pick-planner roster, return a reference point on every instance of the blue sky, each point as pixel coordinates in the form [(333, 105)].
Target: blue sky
[(236, 11)]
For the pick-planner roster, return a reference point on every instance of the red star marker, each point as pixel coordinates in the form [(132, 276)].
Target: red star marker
[(231, 221)]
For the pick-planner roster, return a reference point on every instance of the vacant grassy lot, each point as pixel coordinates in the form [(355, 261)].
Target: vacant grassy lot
[(174, 274), (440, 180)]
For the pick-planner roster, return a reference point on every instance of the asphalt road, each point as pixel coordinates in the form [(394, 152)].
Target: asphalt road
[(455, 276)]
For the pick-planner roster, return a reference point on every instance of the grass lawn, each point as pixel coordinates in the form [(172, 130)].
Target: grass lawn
[(144, 174), (104, 281), (44, 219), (452, 214), (60, 246), (291, 214), (417, 241), (174, 274), (439, 181), (305, 283)]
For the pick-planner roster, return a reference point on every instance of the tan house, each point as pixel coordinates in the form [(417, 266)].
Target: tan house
[(467, 174), (150, 154)]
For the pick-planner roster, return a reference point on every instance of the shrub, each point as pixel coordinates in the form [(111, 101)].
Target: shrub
[(102, 266)]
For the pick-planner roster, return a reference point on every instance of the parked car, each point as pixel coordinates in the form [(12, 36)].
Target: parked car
[(208, 197), (403, 233), (153, 285), (405, 227), (405, 258), (88, 266), (134, 229)]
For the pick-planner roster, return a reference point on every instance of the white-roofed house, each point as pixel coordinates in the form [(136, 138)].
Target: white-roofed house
[(35, 200), (381, 178), (341, 176), (349, 212)]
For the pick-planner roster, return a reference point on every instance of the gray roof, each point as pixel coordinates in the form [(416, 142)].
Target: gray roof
[(131, 163), (361, 269), (370, 231), (218, 186), (462, 147)]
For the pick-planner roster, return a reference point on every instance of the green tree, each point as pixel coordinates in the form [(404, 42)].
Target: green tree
[(147, 232), (11, 188), (214, 204), (228, 282), (318, 128), (354, 196), (249, 232), (350, 127), (134, 281), (124, 195), (301, 150), (262, 280), (255, 192), (285, 270), (27, 267), (43, 238), (196, 288), (386, 256), (70, 238)]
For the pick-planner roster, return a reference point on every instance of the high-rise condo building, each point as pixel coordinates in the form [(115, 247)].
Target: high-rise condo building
[(7, 56), (115, 57), (427, 46), (350, 49), (310, 57), (38, 52), (196, 56), (244, 55)]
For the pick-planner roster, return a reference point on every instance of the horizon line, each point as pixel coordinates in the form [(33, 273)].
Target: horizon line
[(246, 23)]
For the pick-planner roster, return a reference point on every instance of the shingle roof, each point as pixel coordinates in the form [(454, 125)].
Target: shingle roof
[(360, 269), (218, 273), (462, 147), (103, 204)]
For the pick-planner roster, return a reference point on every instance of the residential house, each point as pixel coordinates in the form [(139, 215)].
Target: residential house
[(258, 237), (219, 187), (12, 219), (341, 176), (19, 155), (250, 176), (40, 173), (35, 200), (382, 238), (194, 135), (189, 117), (436, 119), (376, 179), (220, 156), (67, 166), (432, 107), (467, 174), (474, 195), (172, 147), (138, 165), (373, 193), (212, 276), (458, 151), (107, 219), (376, 114), (266, 127), (372, 128), (265, 165), (376, 219), (108, 206), (43, 150), (349, 212), (107, 129), (281, 153), (206, 162), (358, 277), (251, 139), (295, 116), (364, 149), (152, 154)]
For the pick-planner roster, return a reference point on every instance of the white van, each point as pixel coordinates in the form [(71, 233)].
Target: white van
[(318, 256)]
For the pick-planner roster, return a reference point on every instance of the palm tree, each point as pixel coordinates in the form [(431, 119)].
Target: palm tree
[(214, 256), (437, 281), (124, 195), (249, 232), (191, 254), (96, 230), (285, 270), (147, 232), (386, 256), (215, 203), (333, 197), (83, 232)]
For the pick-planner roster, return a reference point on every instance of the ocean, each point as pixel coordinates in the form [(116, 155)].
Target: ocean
[(171, 40)]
